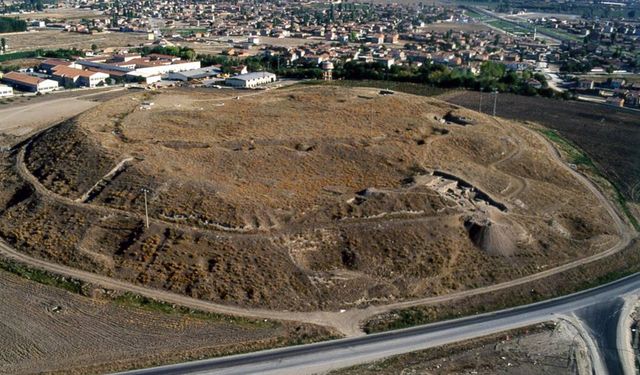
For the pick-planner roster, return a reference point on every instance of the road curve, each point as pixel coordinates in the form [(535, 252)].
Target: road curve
[(335, 354)]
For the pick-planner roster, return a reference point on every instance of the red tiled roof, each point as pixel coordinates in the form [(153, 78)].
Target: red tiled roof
[(23, 78)]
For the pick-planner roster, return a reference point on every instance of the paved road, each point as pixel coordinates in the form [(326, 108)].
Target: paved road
[(339, 353), (601, 320)]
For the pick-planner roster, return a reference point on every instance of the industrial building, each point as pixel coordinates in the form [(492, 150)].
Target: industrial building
[(24, 82), (250, 80), (5, 91), (148, 69), (48, 64), (77, 77), (188, 75)]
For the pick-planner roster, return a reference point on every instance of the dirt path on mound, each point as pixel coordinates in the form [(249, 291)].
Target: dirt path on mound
[(347, 322)]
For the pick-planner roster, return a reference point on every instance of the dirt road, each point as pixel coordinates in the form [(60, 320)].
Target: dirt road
[(26, 119)]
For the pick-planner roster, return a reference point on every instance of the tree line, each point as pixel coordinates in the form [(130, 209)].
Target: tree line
[(12, 25)]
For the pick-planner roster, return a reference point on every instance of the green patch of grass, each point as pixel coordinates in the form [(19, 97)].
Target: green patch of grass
[(136, 301), (560, 34), (575, 155), (41, 277), (508, 27), (473, 14)]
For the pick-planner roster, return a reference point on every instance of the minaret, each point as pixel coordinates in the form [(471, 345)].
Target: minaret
[(535, 32)]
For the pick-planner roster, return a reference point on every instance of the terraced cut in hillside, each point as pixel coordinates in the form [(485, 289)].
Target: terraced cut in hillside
[(302, 198)]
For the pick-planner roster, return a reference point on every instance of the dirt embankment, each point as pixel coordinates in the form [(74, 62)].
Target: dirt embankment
[(267, 201)]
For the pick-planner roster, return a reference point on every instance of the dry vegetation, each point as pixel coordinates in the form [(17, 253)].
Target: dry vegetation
[(52, 39), (46, 329), (300, 198)]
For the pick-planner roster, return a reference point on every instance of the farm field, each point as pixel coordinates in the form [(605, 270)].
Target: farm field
[(63, 14), (47, 329), (52, 39), (608, 135)]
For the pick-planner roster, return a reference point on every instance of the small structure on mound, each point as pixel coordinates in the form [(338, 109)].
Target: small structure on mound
[(490, 236), (460, 120)]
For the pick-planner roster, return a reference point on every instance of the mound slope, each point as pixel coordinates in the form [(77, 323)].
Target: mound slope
[(301, 198)]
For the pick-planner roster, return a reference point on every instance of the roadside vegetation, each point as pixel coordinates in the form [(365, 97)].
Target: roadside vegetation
[(41, 277), (137, 301)]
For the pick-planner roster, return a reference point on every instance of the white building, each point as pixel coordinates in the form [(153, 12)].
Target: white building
[(25, 82), (251, 79), (5, 91), (253, 39), (78, 77), (202, 73), (179, 66)]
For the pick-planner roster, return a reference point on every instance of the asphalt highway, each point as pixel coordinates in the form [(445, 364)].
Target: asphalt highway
[(602, 321), (320, 357)]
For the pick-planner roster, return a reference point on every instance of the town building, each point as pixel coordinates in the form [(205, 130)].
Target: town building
[(5, 91), (24, 82), (48, 64), (77, 77), (251, 79), (188, 75)]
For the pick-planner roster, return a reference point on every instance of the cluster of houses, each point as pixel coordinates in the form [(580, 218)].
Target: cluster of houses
[(97, 71), (617, 92)]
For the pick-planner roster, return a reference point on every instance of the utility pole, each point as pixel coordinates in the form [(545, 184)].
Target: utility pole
[(480, 106), (495, 102), (146, 210)]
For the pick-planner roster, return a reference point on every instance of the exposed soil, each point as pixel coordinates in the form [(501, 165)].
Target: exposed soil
[(46, 329), (53, 39), (300, 198)]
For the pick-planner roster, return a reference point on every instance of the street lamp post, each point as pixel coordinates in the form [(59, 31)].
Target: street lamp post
[(146, 210), (495, 102)]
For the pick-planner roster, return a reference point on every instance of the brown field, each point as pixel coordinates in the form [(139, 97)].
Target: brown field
[(609, 136), (46, 329), (53, 39), (22, 63), (64, 14), (269, 201)]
